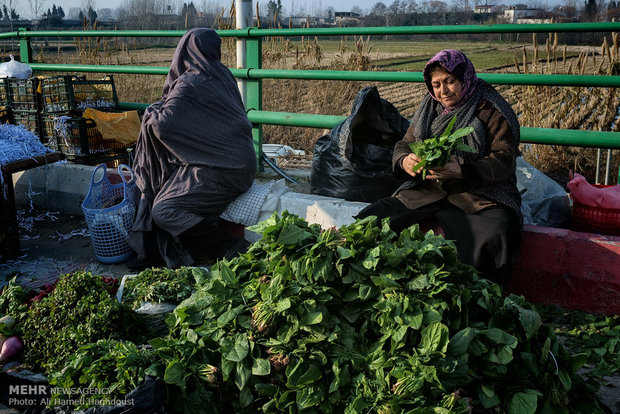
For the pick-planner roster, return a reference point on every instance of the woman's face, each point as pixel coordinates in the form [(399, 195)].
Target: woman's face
[(446, 87)]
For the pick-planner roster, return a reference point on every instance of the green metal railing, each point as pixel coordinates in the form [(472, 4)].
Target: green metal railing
[(253, 74)]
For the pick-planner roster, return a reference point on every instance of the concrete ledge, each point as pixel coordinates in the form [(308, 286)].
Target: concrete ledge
[(573, 269), (54, 187), (326, 211)]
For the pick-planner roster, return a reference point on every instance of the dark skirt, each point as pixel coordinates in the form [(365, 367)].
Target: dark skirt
[(487, 240)]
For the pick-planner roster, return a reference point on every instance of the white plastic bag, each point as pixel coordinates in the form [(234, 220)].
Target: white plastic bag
[(544, 202), (15, 69)]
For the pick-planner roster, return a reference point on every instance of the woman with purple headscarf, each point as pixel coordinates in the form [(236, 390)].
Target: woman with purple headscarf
[(474, 197), (193, 158)]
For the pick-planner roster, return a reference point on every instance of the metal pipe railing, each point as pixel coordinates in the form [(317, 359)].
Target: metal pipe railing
[(371, 76), (568, 137), (565, 137), (345, 31)]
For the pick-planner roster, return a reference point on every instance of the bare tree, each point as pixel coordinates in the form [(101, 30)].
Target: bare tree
[(410, 6), (378, 9), (329, 12), (12, 5), (36, 7), (357, 10), (395, 8), (88, 5), (462, 5)]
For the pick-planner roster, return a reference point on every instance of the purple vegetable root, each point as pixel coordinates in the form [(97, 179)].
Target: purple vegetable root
[(11, 348)]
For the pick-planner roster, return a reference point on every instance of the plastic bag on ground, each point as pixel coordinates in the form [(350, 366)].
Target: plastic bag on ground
[(15, 69), (148, 397), (544, 202), (354, 161), (588, 194)]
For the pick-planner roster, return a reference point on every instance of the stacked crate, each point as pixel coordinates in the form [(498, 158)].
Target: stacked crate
[(22, 99), (63, 101)]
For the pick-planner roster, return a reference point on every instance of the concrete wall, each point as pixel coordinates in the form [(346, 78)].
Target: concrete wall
[(63, 187), (54, 187)]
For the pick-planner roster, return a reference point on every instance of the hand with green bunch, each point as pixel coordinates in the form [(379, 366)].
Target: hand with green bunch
[(434, 155)]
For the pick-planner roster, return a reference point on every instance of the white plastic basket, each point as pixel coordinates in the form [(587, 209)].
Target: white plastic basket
[(110, 211)]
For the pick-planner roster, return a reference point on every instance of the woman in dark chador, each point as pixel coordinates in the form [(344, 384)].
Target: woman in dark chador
[(193, 158), (474, 197)]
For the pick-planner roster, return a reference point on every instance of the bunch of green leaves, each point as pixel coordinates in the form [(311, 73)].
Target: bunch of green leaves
[(157, 285), (79, 311), (357, 319), (595, 337), (436, 151), (111, 367), (12, 299)]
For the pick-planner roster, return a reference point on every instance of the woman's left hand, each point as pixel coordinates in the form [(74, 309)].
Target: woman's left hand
[(452, 169)]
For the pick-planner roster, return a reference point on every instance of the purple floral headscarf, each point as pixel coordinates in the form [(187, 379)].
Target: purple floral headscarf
[(455, 62)]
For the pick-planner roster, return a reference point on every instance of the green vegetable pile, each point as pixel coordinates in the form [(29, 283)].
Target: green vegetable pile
[(13, 300), (436, 151), (159, 286), (595, 337), (357, 320), (80, 310), (113, 366)]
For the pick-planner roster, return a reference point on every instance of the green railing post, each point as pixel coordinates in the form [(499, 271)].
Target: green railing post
[(254, 88), (25, 49)]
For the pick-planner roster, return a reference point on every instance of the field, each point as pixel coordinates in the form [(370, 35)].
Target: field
[(548, 107)]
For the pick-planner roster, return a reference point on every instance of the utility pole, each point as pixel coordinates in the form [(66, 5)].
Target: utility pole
[(243, 19)]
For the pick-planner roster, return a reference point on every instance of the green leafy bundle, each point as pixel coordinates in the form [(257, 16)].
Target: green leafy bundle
[(111, 367), (359, 320), (159, 286), (12, 303), (435, 151), (596, 337), (79, 311)]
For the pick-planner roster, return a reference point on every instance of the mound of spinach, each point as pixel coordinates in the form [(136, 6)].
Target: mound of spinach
[(357, 320), (110, 368)]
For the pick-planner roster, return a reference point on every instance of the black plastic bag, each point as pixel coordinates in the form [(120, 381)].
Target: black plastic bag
[(148, 397), (354, 161)]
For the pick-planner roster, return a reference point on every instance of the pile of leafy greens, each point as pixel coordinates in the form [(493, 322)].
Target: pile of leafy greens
[(349, 320), (81, 310), (110, 368), (436, 151), (157, 285), (356, 320), (596, 337)]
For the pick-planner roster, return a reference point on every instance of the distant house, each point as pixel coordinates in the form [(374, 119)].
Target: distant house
[(297, 21), (514, 13), (487, 8), (303, 21), (346, 18)]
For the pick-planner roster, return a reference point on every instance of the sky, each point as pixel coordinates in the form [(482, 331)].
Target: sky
[(24, 9), (288, 5)]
